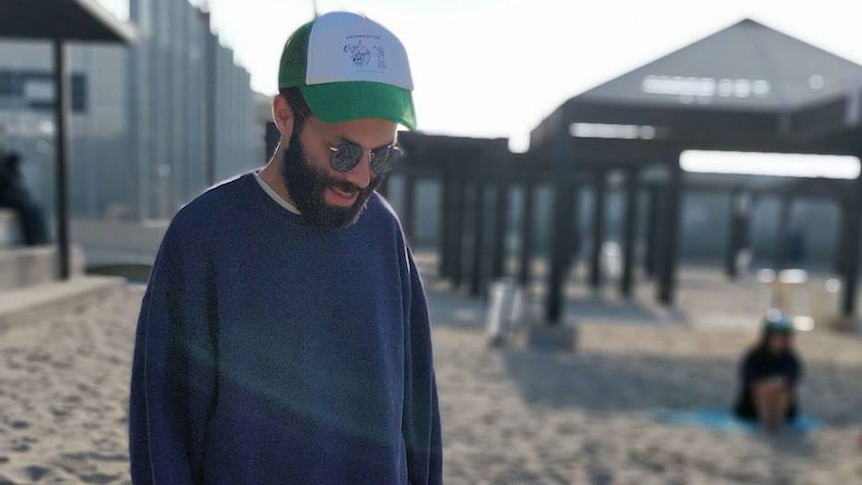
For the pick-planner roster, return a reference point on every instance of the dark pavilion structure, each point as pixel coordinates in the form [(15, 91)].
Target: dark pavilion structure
[(747, 88), (60, 22)]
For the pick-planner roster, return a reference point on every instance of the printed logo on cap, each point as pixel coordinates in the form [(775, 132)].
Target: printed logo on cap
[(347, 47), (362, 49)]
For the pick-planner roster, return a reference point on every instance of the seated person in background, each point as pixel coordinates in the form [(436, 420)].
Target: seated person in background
[(14, 195), (770, 373)]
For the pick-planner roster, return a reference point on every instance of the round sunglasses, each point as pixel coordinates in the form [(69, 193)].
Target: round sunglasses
[(347, 155)]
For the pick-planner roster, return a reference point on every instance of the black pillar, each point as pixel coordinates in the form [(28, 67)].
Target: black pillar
[(270, 140), (577, 233), (526, 255), (61, 111), (501, 217), (630, 231), (652, 231), (444, 225), (783, 235), (740, 214), (456, 235), (209, 106), (599, 195), (732, 249), (476, 271), (840, 252), (561, 247), (383, 188), (408, 220), (851, 262), (670, 233)]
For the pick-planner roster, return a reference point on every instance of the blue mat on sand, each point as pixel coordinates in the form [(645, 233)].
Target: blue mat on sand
[(725, 421)]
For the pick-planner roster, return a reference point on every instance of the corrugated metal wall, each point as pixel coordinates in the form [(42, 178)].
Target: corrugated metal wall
[(172, 109), (138, 148)]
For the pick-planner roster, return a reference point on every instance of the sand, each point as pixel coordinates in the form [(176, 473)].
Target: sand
[(510, 415), (63, 396), (520, 416)]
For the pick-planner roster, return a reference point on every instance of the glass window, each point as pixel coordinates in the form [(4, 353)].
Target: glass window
[(79, 93)]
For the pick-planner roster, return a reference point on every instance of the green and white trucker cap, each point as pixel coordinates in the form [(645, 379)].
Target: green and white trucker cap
[(348, 67)]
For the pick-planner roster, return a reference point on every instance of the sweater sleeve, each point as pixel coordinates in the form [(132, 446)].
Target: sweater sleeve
[(174, 367), (421, 419)]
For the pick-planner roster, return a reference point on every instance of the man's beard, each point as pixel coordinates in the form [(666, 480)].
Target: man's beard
[(307, 187)]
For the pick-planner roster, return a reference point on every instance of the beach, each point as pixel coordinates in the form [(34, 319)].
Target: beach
[(510, 414)]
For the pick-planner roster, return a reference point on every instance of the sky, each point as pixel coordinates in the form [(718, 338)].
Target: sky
[(496, 68)]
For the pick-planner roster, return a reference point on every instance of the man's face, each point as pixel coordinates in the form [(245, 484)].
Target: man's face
[(329, 199)]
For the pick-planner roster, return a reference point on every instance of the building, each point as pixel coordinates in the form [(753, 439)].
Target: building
[(152, 126)]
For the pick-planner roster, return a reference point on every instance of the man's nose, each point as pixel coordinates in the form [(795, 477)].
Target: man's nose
[(360, 175)]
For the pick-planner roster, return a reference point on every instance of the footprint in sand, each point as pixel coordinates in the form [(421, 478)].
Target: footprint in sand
[(39, 357), (20, 447), (59, 413), (33, 474), (73, 460), (20, 424), (99, 478)]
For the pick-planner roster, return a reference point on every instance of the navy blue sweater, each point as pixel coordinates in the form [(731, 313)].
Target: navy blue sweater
[(268, 352)]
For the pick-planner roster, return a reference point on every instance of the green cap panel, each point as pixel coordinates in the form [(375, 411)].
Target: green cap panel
[(294, 58)]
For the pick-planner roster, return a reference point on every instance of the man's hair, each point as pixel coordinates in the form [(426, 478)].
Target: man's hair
[(297, 103)]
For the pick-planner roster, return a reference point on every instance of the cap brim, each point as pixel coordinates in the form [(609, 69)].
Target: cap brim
[(357, 100)]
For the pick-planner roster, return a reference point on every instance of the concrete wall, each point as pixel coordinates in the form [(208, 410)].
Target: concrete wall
[(106, 242)]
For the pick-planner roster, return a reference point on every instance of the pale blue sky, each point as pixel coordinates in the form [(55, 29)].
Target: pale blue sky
[(497, 67)]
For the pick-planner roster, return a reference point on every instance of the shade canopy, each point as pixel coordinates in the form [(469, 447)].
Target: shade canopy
[(74, 20), (747, 87), (747, 66)]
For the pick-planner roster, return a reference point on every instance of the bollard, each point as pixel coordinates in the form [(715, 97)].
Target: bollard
[(499, 312), (612, 261), (825, 305), (520, 314), (783, 287), (743, 261), (9, 229), (788, 283)]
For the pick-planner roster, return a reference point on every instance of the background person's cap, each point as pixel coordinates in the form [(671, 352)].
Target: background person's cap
[(348, 67), (776, 321)]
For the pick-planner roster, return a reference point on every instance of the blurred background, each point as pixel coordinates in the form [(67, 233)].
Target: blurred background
[(604, 199)]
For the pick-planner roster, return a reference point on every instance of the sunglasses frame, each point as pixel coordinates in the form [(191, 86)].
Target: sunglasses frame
[(380, 166), (346, 156)]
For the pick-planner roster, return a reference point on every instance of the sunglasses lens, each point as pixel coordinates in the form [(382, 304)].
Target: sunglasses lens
[(383, 159), (345, 157)]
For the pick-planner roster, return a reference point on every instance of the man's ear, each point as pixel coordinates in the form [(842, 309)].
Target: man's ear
[(282, 116)]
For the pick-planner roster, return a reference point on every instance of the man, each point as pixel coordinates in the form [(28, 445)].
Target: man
[(14, 195), (284, 335)]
